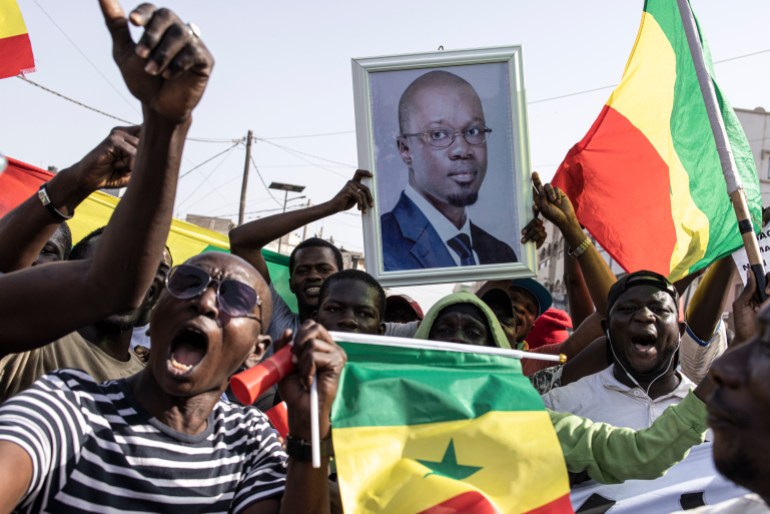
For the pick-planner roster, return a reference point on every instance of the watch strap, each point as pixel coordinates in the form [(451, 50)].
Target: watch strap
[(301, 450), (42, 194)]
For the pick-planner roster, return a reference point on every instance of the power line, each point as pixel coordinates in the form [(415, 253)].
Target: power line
[(114, 88), (742, 56), (299, 155), (127, 122), (183, 175), (567, 95), (206, 179), (81, 104), (214, 140), (256, 168), (321, 134)]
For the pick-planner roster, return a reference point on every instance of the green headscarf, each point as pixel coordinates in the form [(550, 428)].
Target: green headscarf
[(498, 336)]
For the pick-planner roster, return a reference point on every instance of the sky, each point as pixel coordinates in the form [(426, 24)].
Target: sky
[(283, 70)]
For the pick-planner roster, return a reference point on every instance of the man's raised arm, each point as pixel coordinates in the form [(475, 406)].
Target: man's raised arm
[(167, 70), (25, 230), (247, 240)]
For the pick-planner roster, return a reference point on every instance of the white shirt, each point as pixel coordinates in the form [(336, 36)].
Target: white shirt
[(602, 397), (445, 228)]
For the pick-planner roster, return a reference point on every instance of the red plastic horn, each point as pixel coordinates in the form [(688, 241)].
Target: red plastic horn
[(279, 417), (248, 385)]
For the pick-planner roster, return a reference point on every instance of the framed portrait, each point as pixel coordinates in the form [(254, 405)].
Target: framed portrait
[(445, 136)]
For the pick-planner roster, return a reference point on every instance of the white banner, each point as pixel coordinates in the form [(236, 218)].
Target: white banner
[(742, 260)]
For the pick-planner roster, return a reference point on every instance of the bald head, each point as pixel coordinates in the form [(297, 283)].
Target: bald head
[(424, 84)]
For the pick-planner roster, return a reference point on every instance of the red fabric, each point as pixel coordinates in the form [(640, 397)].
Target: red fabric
[(531, 366), (549, 328), (18, 182), (561, 505), (17, 56), (631, 218), (469, 502), (474, 502)]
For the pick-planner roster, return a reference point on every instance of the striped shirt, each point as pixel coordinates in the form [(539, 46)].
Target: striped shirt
[(94, 449)]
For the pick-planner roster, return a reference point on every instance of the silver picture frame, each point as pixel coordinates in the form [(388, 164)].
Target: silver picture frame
[(504, 198)]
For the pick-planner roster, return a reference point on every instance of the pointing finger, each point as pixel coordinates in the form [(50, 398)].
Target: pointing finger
[(115, 19)]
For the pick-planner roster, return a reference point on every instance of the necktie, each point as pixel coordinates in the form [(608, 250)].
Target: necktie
[(461, 244)]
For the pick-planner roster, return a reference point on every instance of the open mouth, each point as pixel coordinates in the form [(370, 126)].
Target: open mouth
[(187, 350), (644, 343)]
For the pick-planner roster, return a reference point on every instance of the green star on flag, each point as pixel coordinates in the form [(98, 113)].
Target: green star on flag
[(448, 466)]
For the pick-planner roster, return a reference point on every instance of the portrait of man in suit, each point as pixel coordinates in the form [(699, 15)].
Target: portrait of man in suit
[(443, 143)]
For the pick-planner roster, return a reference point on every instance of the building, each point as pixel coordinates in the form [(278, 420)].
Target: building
[(221, 225)]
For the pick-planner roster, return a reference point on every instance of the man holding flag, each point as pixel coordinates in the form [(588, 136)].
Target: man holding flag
[(410, 418)]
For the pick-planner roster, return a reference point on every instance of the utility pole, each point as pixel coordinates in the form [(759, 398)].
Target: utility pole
[(304, 229), (245, 177)]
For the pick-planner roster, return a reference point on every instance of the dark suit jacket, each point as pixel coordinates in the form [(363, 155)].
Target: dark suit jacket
[(409, 241)]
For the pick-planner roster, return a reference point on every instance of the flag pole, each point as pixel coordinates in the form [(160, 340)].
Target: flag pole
[(425, 344), (733, 181)]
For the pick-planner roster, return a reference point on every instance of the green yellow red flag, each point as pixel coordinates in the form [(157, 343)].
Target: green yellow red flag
[(15, 47), (420, 430), (646, 180)]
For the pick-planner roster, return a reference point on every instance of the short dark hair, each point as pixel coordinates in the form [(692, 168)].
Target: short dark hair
[(66, 235), (354, 274), (79, 250), (315, 242)]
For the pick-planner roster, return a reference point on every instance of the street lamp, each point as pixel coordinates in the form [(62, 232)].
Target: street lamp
[(285, 188)]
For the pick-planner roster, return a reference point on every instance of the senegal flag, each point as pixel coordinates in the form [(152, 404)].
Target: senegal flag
[(646, 180), (421, 430)]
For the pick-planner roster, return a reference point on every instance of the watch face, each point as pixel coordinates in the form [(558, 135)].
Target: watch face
[(43, 195)]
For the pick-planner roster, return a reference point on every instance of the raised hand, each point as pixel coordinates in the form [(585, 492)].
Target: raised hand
[(168, 68), (553, 203), (317, 356), (354, 193), (109, 164), (745, 309)]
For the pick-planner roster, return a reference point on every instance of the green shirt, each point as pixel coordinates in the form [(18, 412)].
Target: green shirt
[(613, 454)]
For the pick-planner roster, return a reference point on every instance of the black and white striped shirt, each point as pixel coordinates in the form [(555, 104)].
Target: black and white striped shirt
[(94, 449)]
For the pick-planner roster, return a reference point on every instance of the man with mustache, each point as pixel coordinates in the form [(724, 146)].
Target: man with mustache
[(443, 143)]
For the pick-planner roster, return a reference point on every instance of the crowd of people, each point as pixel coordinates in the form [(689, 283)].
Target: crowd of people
[(90, 422)]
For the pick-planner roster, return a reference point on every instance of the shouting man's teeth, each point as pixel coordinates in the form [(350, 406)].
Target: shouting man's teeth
[(177, 367)]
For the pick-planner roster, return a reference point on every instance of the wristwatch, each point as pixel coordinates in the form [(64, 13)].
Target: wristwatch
[(42, 193), (581, 248), (301, 450)]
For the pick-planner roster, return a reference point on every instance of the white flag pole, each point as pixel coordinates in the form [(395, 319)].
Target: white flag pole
[(423, 344), (732, 179)]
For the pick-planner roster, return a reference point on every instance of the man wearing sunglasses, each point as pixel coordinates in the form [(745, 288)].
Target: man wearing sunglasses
[(125, 443), (443, 142)]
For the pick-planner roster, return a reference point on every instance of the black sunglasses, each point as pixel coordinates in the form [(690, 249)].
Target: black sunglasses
[(234, 298)]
